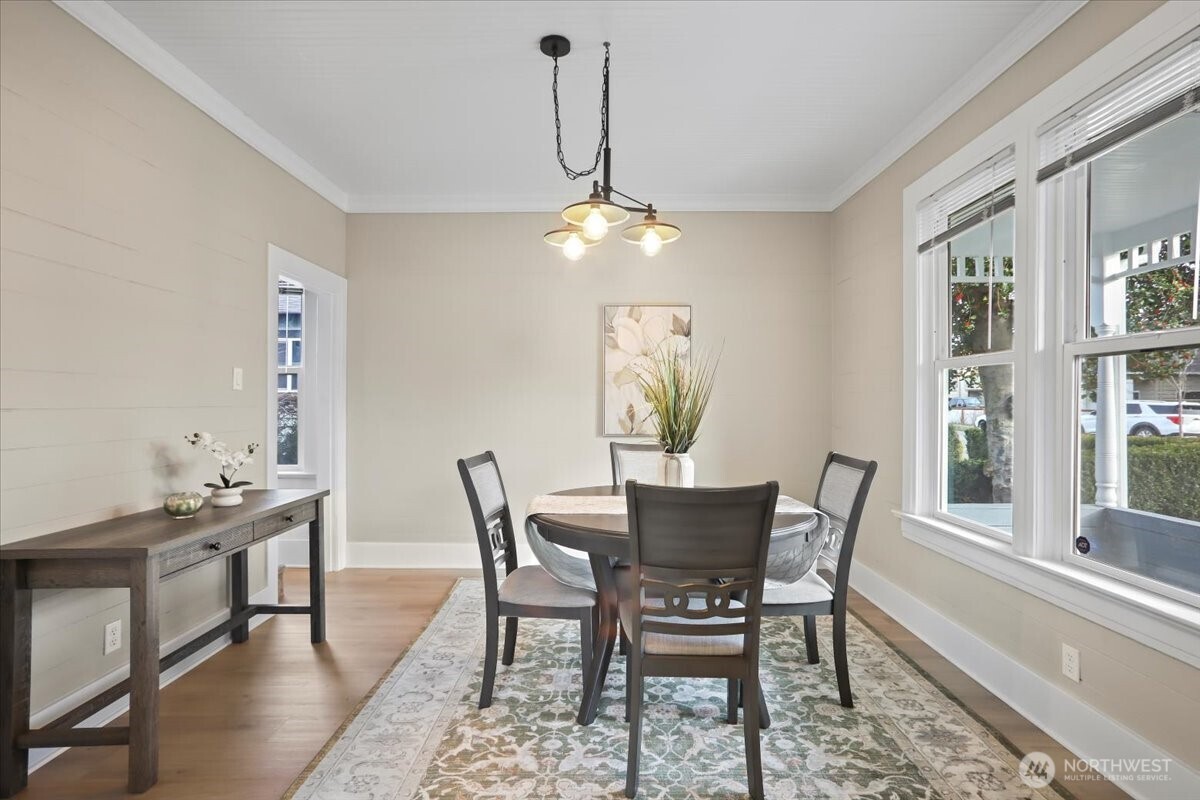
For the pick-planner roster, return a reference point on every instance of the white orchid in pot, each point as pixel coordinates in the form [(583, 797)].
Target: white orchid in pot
[(228, 492), (677, 387)]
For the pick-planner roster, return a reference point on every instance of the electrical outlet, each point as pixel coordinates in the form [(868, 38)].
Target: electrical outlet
[(237, 379), (1070, 662), (112, 636)]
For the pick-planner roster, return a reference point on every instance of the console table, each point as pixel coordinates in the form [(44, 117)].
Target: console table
[(137, 552)]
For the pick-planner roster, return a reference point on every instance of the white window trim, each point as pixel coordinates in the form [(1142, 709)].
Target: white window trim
[(1034, 560)]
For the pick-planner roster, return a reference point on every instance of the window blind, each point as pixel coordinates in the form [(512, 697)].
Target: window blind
[(1169, 86), (980, 194)]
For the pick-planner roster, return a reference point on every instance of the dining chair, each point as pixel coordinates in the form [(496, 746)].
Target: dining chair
[(841, 495), (635, 460), (693, 552), (639, 461), (526, 591)]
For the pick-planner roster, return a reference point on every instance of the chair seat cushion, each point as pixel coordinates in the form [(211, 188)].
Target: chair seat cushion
[(668, 644), (533, 586), (812, 588)]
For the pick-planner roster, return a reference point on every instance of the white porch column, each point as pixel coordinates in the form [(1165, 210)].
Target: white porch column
[(1108, 319)]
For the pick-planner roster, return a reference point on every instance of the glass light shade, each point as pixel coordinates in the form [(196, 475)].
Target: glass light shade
[(578, 213), (651, 235), (595, 226), (574, 248), (560, 236)]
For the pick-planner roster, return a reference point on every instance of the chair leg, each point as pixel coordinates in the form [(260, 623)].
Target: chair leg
[(750, 729), (510, 640), (810, 639), (764, 715), (587, 639), (635, 728), (839, 657), (628, 688), (489, 660), (732, 698)]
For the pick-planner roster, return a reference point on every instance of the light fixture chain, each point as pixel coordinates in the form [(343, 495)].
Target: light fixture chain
[(570, 173)]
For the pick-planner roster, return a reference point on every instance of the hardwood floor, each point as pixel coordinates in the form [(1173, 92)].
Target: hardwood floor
[(247, 721)]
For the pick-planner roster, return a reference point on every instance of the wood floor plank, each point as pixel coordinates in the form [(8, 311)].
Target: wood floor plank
[(246, 722)]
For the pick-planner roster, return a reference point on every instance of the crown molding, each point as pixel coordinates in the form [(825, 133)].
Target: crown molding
[(107, 23), (667, 204), (1036, 27)]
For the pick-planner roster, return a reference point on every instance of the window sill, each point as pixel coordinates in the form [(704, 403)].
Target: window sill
[(1166, 625), (289, 474)]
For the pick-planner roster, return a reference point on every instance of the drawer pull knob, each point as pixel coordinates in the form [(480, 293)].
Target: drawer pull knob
[(288, 518), (214, 546)]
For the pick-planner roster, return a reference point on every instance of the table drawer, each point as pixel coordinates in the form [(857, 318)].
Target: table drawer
[(297, 515), (215, 546)]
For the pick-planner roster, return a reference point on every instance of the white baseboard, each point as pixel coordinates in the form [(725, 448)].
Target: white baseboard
[(1074, 723), (422, 555), (40, 756)]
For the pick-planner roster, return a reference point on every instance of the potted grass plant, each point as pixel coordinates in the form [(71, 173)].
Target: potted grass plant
[(677, 385)]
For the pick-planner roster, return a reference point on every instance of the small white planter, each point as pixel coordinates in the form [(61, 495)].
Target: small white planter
[(223, 498), (677, 469)]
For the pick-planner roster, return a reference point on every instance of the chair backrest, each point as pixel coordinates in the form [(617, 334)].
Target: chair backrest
[(700, 545), (489, 510), (637, 462), (842, 493)]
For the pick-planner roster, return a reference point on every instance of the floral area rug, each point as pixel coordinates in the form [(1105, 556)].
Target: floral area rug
[(419, 735)]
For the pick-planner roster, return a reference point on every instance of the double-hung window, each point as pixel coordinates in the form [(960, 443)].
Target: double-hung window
[(1052, 324), (968, 254), (290, 369), (1119, 181)]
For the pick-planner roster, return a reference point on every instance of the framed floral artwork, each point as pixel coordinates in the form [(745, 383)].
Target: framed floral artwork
[(631, 335)]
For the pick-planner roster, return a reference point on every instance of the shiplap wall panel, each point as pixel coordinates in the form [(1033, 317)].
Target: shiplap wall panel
[(133, 246)]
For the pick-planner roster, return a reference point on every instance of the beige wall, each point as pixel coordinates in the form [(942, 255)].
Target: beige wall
[(468, 333), (133, 234), (1150, 693), (133, 245)]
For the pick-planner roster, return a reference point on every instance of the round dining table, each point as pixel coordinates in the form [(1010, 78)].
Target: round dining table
[(797, 533)]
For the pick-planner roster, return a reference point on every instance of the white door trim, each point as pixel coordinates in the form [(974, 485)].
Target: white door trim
[(331, 290)]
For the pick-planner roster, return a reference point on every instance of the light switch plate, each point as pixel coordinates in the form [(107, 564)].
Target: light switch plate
[(112, 636), (237, 379), (1070, 662)]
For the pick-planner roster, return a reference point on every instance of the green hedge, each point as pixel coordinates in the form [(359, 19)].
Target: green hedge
[(1164, 472), (969, 482)]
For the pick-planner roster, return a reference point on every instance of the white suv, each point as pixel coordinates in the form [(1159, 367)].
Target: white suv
[(1152, 419)]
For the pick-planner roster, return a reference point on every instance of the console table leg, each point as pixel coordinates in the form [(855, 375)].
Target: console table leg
[(15, 634), (240, 578), (143, 674), (316, 574)]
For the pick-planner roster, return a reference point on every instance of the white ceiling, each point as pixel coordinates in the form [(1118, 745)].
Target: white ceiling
[(715, 105)]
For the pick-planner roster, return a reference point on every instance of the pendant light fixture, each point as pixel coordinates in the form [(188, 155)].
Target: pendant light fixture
[(588, 221)]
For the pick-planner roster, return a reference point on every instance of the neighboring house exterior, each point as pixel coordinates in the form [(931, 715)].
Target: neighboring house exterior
[(1166, 390)]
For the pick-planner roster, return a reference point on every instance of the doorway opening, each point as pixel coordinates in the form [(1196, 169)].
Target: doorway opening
[(306, 399)]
